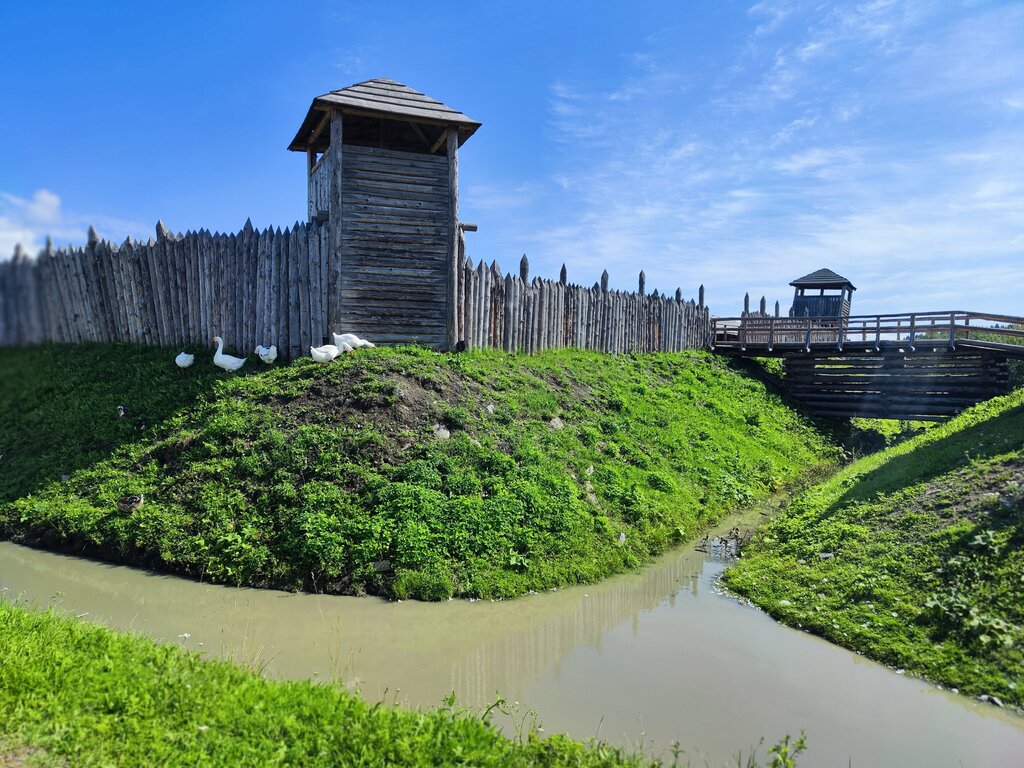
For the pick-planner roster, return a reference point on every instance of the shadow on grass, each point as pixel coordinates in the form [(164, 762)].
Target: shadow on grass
[(992, 437), (59, 405)]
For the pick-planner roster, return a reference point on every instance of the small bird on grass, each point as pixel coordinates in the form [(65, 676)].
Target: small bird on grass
[(184, 360), (122, 411), (130, 503)]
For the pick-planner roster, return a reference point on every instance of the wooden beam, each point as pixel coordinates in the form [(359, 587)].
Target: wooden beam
[(335, 277), (441, 140), (452, 135), (320, 126), (420, 133)]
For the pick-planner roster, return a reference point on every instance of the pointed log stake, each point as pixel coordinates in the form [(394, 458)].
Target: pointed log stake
[(162, 232), (746, 304), (48, 249), (700, 297), (524, 268), (643, 282), (93, 238), (764, 306), (679, 294), (563, 276), (776, 309), (604, 281)]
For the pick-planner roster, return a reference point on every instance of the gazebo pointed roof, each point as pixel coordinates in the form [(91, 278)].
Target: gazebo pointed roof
[(384, 98), (823, 278)]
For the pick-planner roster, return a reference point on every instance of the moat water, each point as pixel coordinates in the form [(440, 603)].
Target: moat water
[(643, 659)]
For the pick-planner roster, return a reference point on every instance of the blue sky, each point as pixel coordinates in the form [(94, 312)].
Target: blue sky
[(734, 144)]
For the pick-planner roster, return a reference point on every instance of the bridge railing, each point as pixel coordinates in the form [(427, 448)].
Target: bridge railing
[(952, 328)]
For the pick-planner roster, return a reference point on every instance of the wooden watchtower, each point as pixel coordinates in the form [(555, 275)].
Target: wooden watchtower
[(382, 161), (833, 297)]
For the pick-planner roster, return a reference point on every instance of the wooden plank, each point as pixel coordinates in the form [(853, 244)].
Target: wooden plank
[(119, 294), (453, 233), (118, 321), (294, 319), (280, 293), (324, 250), (238, 291), (317, 330), (153, 282), (168, 292), (129, 265), (198, 331), (173, 287), (339, 157), (246, 282)]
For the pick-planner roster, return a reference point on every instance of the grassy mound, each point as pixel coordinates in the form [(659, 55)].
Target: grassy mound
[(913, 556), (400, 471)]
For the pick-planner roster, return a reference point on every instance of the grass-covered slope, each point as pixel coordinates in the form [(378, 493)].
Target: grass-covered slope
[(398, 471), (914, 556), (58, 406)]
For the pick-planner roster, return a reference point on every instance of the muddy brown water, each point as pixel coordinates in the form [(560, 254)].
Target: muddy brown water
[(647, 659)]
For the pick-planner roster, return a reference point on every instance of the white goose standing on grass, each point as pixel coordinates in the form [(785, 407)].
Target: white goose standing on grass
[(324, 354), (184, 360), (267, 354), (351, 340), (227, 362)]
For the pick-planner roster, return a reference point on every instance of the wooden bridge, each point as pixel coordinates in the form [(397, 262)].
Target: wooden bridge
[(926, 365)]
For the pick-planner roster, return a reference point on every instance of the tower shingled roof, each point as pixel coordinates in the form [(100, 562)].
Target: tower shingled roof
[(385, 98), (823, 278)]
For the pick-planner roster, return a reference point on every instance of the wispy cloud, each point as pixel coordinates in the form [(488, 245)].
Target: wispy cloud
[(28, 221), (841, 137)]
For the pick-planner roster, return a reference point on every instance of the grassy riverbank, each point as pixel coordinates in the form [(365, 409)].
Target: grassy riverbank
[(82, 695), (395, 471), (913, 556), (73, 693)]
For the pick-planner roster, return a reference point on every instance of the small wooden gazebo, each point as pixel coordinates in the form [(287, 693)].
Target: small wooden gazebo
[(382, 165), (832, 298)]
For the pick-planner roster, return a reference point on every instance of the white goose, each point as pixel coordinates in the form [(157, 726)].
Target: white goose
[(324, 354), (227, 362), (184, 360), (267, 354), (351, 340)]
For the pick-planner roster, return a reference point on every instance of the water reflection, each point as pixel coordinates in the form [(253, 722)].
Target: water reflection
[(654, 656)]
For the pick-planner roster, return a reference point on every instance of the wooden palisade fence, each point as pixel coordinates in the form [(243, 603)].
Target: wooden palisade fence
[(268, 287), (284, 288), (514, 313)]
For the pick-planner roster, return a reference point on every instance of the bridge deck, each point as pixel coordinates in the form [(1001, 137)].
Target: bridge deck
[(925, 366), (766, 336)]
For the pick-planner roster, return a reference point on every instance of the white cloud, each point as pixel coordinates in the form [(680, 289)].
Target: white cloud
[(845, 138), (28, 221)]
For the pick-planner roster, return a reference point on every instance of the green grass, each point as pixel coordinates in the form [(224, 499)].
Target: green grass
[(58, 406), (332, 478), (927, 555)]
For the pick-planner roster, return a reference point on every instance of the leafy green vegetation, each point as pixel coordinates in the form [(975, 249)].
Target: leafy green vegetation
[(396, 471), (913, 556)]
